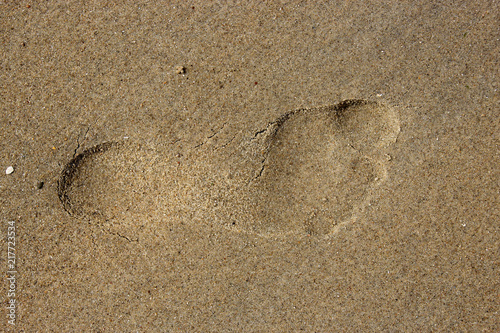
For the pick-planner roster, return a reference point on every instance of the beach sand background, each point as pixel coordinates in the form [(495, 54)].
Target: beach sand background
[(255, 167)]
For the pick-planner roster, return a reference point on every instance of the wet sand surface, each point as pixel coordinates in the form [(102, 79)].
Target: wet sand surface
[(264, 167)]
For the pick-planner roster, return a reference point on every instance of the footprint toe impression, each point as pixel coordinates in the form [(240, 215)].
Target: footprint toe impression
[(320, 166), (307, 173)]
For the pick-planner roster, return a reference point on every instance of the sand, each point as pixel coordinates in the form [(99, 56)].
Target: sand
[(257, 167)]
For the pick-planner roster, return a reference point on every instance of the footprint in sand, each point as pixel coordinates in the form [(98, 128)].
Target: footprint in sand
[(306, 173)]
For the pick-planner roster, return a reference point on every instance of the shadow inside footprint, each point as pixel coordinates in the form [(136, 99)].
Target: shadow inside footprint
[(116, 185)]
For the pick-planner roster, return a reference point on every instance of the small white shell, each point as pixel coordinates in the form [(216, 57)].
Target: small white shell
[(9, 170)]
